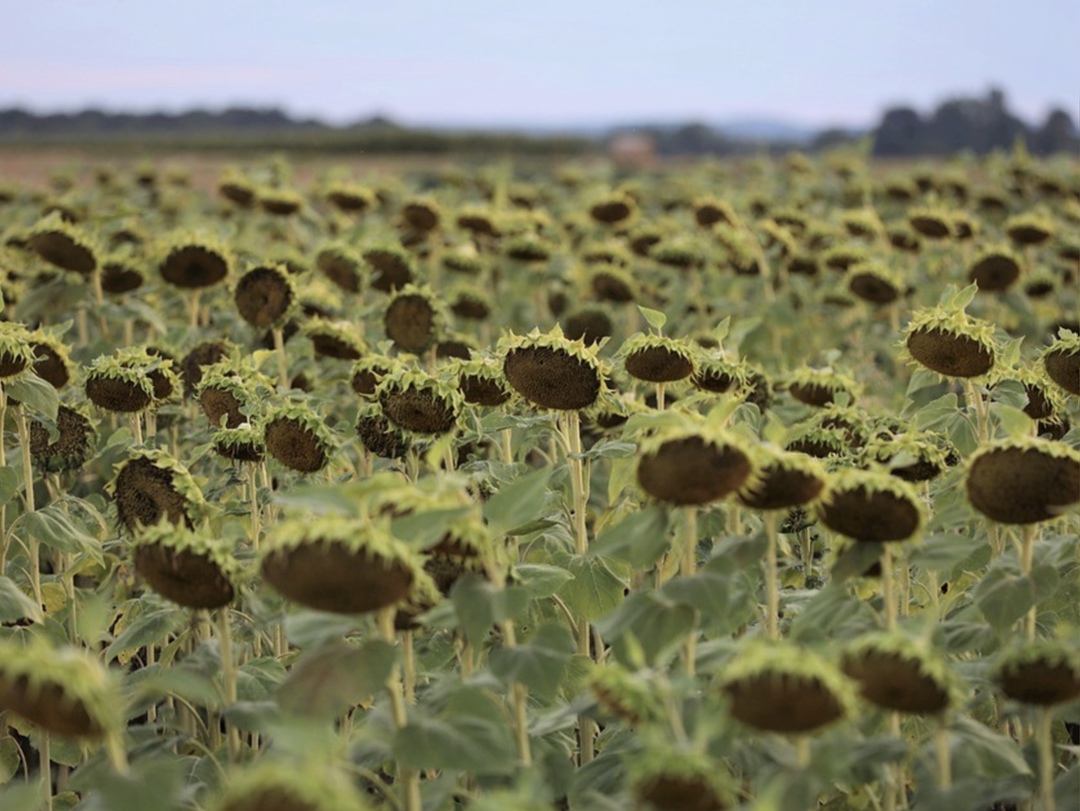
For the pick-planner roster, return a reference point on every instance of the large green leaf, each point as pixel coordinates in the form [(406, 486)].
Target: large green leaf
[(638, 540), (480, 605), (657, 624), (1004, 597), (328, 680), (539, 664), (595, 588), (518, 502), (149, 628), (35, 395), (15, 604), (469, 734)]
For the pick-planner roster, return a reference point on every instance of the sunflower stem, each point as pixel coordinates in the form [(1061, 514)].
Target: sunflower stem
[(1044, 740), (888, 587), (228, 677), (3, 463), (136, 427), (45, 751), (659, 396), (193, 308), (253, 501), (944, 756), (688, 569), (283, 362), (772, 588), (520, 697), (33, 545), (408, 779), (1027, 555), (806, 546), (409, 666)]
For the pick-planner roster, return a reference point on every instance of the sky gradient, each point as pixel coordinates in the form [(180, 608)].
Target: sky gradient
[(553, 62)]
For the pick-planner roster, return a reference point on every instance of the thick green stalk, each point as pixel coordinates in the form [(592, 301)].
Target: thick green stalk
[(33, 545), (772, 574), (408, 779)]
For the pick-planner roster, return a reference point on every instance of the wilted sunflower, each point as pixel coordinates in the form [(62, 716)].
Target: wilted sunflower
[(951, 343), (198, 358), (1062, 361), (191, 261), (820, 387), (243, 443), (391, 267), (378, 435), (298, 438), (784, 479), (1043, 673), (73, 446), (341, 265), (52, 362), (1029, 229), (64, 245), (1023, 480), (875, 283), (551, 371), (151, 485), (350, 198), (414, 318), (121, 382), (188, 568), (932, 223), (419, 402), (334, 339), (657, 358), (995, 269), (669, 778), (289, 786), (777, 687), (337, 564), (693, 464), (481, 382), (896, 672), (63, 690), (265, 296), (870, 506)]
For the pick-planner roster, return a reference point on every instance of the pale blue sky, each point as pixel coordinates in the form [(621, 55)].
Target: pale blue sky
[(547, 61)]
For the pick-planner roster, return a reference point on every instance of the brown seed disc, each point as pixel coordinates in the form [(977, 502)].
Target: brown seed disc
[(870, 516), (872, 288), (783, 702), (783, 487), (145, 493), (669, 792), (341, 270), (643, 244), (1022, 485), (1039, 406), (818, 448), (483, 391), (894, 682), (410, 323), (392, 271), (477, 224), (803, 265), (380, 437), (348, 202), (715, 381), (931, 226), (329, 576), (71, 448), (160, 383), (204, 354), (117, 278), (1028, 235), (1040, 682), (11, 365), (813, 394), (330, 346), (419, 410), (473, 309), (262, 297), (609, 287), (552, 378), (921, 471), (950, 354), (708, 214), (1063, 368), (447, 562), (590, 326), (903, 241), (994, 272), (185, 577), (365, 381), (295, 446), (60, 249), (238, 193), (692, 471), (658, 364), (279, 206), (610, 212), (270, 799), (453, 349), (116, 395), (48, 705), (240, 452), (218, 403), (193, 266), (1039, 289), (420, 216), (49, 366)]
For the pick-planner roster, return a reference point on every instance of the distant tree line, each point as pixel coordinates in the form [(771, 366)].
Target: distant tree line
[(978, 125)]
